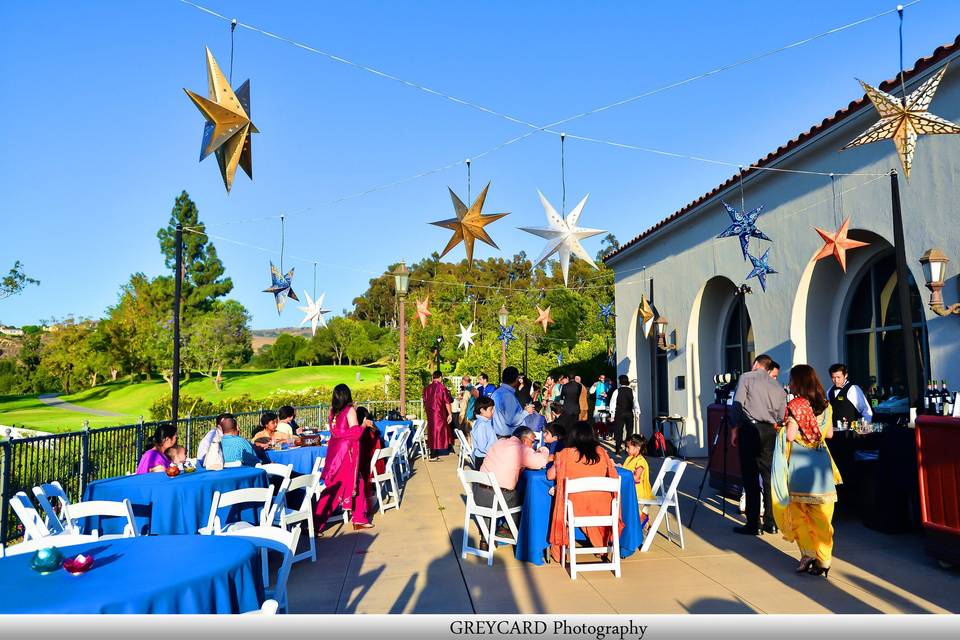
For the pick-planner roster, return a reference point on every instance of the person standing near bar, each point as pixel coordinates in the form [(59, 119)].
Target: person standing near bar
[(570, 396), (847, 400), (759, 405), (437, 405), (623, 411)]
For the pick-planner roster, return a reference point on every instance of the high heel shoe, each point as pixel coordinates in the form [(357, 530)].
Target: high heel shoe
[(817, 569), (805, 564)]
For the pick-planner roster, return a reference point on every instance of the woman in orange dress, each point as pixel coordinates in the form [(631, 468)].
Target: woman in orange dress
[(583, 457)]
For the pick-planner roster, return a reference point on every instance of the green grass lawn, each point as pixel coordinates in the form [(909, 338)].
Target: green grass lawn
[(133, 400)]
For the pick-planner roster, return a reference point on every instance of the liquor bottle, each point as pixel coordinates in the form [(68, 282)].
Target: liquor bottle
[(945, 401), (928, 398)]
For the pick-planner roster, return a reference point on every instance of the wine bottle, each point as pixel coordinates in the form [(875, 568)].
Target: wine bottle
[(926, 399), (948, 400), (944, 398)]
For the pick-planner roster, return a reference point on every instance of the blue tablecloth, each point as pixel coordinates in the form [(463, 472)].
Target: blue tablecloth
[(384, 425), (537, 508), (168, 574), (180, 505), (302, 458)]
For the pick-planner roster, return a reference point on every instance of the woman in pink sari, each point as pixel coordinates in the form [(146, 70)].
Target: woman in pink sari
[(341, 472)]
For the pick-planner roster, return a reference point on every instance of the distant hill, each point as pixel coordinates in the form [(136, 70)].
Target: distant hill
[(269, 336)]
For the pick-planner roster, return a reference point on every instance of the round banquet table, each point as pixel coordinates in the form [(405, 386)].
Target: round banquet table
[(302, 458), (534, 526), (180, 505), (168, 574)]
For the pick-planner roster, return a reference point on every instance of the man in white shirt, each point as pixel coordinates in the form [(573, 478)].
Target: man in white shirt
[(847, 399)]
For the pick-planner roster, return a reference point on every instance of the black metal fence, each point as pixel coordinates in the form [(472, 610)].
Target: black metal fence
[(79, 457)]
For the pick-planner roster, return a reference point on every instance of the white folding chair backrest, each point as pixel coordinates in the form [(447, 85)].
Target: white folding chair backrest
[(398, 442), (278, 540), (268, 608), (46, 494), (499, 509), (666, 497), (609, 519), (286, 516), (253, 496), (386, 480), (75, 512), (418, 441), (277, 470), (318, 465), (62, 540), (33, 525), (466, 451)]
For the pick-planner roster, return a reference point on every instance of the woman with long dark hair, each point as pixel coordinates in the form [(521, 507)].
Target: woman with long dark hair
[(153, 458), (341, 471), (804, 478), (582, 457)]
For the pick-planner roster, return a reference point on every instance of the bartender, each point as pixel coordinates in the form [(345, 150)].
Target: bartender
[(847, 399)]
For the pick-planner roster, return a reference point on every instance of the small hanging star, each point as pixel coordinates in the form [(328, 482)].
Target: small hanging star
[(314, 312), (559, 358), (469, 224), (466, 337), (744, 227), (543, 317), (281, 287), (905, 120), (646, 316), (837, 244), (760, 269), (606, 312), (423, 311), (506, 334)]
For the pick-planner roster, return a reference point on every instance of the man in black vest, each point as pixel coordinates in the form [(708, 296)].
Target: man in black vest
[(847, 399), (623, 411)]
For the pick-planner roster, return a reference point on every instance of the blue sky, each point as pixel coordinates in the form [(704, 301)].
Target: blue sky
[(99, 137)]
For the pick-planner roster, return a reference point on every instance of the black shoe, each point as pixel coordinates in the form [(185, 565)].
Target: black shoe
[(770, 528), (747, 530)]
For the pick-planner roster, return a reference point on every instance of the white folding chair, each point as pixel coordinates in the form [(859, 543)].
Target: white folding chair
[(254, 496), (46, 494), (62, 540), (317, 472), (318, 465), (418, 443), (665, 497), (278, 540), (73, 513), (488, 529), (398, 442), (33, 525), (466, 450), (573, 521), (287, 517), (277, 470), (386, 481), (268, 608)]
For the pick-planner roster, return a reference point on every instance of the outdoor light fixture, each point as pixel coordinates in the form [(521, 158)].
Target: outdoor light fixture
[(660, 327), (502, 316), (934, 264), (401, 276)]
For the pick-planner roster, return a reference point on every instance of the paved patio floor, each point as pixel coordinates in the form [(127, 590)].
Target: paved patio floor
[(410, 563)]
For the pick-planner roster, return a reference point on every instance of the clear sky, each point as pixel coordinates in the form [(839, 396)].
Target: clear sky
[(99, 138)]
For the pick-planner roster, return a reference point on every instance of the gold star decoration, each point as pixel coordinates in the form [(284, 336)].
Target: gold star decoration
[(423, 312), (469, 224), (228, 127), (646, 315), (905, 120), (837, 244), (543, 317)]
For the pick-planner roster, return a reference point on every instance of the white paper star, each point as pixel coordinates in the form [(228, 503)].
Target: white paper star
[(314, 312), (563, 235), (466, 337)]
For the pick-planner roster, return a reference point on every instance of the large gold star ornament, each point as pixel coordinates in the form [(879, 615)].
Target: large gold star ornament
[(543, 318), (837, 244), (469, 224), (905, 120), (228, 127), (423, 311)]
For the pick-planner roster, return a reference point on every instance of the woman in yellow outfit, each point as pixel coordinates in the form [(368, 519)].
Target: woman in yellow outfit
[(635, 462), (804, 478)]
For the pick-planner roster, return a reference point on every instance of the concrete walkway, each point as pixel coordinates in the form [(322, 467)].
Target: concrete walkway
[(410, 563), (53, 400)]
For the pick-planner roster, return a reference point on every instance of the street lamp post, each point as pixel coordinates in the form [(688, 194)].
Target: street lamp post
[(401, 276), (502, 316)]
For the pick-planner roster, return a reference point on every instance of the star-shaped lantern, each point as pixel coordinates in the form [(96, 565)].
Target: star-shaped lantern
[(314, 312), (559, 358), (228, 127), (646, 316), (466, 337), (469, 224), (281, 287), (423, 310), (905, 120), (760, 269), (606, 312), (506, 334), (563, 235), (837, 244), (744, 226), (543, 318)]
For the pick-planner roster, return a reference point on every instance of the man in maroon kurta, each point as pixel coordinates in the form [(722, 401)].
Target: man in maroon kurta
[(436, 405)]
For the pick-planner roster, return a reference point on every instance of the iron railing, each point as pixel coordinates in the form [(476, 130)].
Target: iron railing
[(79, 457)]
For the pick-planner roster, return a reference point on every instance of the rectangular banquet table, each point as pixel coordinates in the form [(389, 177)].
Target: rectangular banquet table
[(165, 574), (180, 505), (538, 506), (302, 458)]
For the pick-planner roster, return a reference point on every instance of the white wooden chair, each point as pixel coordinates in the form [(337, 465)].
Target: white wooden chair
[(573, 521), (488, 529), (318, 464), (47, 494), (268, 608), (33, 525), (278, 540), (317, 472), (398, 441), (665, 497), (286, 517), (62, 540), (276, 470), (466, 450), (253, 497), (73, 513), (418, 443), (385, 482)]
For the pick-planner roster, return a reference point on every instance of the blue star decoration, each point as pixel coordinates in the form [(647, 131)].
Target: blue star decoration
[(760, 269), (506, 334), (281, 287), (606, 312), (744, 227), (559, 358)]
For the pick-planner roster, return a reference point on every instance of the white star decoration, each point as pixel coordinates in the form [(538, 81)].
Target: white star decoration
[(563, 235), (314, 312), (466, 337)]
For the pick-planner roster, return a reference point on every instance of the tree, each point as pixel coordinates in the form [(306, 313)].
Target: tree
[(67, 355), (219, 339), (284, 350), (15, 281), (608, 244)]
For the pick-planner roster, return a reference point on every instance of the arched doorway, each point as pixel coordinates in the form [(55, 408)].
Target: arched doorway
[(738, 344)]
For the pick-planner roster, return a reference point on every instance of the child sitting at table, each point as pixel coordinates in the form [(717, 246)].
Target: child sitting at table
[(177, 455), (268, 434), (551, 437), (636, 446)]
